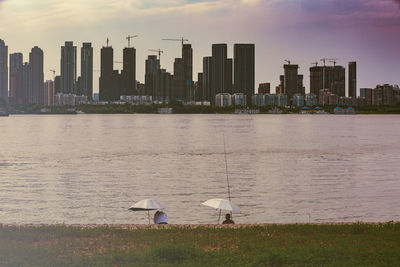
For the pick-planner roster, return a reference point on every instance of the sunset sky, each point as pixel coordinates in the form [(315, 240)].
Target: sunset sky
[(303, 31)]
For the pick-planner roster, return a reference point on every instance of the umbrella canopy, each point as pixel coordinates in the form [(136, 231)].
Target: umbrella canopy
[(147, 204), (221, 204)]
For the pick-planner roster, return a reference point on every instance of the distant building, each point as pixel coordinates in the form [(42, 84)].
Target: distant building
[(152, 76), (290, 82), (282, 100), (311, 100), (328, 77), (258, 100), (3, 71), (271, 99), (366, 93), (219, 59), (239, 99), (199, 87), (128, 74), (383, 95), (223, 100), (353, 79), (16, 78), (36, 79), (48, 93), (264, 88), (110, 81), (187, 61), (244, 69), (178, 83), (207, 80), (26, 82), (298, 100), (68, 68), (86, 83)]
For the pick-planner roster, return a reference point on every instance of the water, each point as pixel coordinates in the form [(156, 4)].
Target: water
[(90, 169)]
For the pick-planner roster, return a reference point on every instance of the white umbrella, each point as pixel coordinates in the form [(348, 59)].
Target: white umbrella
[(221, 204), (147, 205)]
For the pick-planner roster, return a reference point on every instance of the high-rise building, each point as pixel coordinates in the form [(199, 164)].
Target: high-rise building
[(110, 82), (3, 71), (26, 82), (264, 88), (16, 77), (353, 79), (164, 86), (129, 72), (228, 76), (187, 61), (35, 89), (207, 80), (68, 68), (178, 83), (328, 77), (244, 70), (199, 87), (152, 76), (86, 82), (290, 84), (48, 93), (219, 62)]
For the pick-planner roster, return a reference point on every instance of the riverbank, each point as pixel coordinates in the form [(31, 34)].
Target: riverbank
[(199, 245)]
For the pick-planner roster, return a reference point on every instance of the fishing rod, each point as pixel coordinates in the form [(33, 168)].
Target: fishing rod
[(226, 169)]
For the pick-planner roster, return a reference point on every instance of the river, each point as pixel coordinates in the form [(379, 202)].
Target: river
[(89, 169)]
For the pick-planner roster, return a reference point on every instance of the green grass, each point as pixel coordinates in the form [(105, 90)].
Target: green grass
[(269, 245)]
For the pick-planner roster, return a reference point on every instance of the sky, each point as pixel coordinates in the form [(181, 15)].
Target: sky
[(302, 31)]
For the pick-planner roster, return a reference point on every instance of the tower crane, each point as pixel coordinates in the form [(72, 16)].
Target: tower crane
[(159, 51), (288, 61), (333, 60), (324, 60), (182, 39), (315, 63), (129, 37)]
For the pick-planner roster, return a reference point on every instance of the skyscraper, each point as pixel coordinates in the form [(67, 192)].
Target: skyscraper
[(3, 71), (219, 58), (86, 82), (328, 77), (353, 79), (68, 68), (244, 70), (109, 84), (35, 92), (16, 76), (129, 72), (48, 93), (178, 82), (26, 82), (290, 82), (207, 80), (152, 76), (187, 61)]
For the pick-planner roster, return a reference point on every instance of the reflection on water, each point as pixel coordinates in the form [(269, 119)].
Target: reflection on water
[(282, 168)]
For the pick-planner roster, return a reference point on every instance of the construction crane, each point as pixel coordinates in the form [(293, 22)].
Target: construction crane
[(182, 39), (315, 63), (54, 73), (324, 60), (159, 51), (288, 61), (129, 37), (108, 40), (333, 60)]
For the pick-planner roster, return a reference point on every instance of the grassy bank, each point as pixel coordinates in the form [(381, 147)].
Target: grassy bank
[(267, 245)]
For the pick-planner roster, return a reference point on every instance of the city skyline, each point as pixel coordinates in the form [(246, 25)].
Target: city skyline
[(353, 31)]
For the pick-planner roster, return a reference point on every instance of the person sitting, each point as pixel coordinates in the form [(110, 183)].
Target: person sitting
[(228, 219), (160, 218)]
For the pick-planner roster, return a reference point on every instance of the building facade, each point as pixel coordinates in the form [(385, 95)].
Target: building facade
[(86, 82), (353, 79), (16, 78), (3, 71), (244, 69), (68, 68), (36, 79)]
